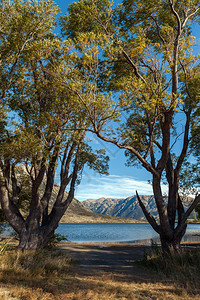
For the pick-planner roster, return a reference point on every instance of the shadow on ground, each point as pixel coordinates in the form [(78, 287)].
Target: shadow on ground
[(113, 259)]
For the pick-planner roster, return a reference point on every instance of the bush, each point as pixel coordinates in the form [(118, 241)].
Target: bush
[(56, 239)]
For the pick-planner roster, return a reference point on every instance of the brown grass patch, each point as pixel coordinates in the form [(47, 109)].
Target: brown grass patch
[(44, 274), (182, 268)]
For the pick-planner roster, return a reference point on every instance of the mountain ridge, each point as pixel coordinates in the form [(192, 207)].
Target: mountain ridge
[(77, 212), (126, 207)]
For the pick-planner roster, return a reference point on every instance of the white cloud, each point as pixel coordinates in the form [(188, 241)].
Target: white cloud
[(112, 186)]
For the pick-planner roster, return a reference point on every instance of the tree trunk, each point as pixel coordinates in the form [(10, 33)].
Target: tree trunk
[(170, 237), (173, 245), (34, 235), (32, 240), (165, 228)]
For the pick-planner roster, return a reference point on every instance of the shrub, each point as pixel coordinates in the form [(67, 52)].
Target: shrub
[(56, 239)]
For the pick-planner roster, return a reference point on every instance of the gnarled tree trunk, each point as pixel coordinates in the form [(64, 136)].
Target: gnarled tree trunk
[(39, 226), (170, 233), (33, 239)]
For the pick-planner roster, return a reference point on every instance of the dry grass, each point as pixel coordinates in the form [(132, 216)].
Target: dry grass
[(42, 271), (182, 268), (46, 275), (103, 288)]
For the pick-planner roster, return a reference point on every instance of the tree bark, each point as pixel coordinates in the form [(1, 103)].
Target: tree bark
[(173, 245), (10, 210), (33, 239)]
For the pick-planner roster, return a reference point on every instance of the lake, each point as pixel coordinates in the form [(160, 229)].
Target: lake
[(116, 232)]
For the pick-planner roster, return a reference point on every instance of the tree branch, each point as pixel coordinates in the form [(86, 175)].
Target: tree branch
[(145, 164), (148, 216), (185, 143), (158, 30), (181, 225)]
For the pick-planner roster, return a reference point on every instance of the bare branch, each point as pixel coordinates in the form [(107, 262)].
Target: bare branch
[(190, 16), (158, 30), (133, 65), (186, 80), (148, 216), (145, 164), (185, 142), (180, 226)]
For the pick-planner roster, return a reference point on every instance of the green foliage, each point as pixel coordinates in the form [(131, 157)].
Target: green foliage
[(21, 23), (42, 78), (98, 160), (132, 64), (139, 69), (86, 15), (55, 240), (137, 62), (189, 179)]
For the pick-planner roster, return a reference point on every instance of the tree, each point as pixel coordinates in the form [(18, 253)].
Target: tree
[(21, 22), (144, 54), (43, 138)]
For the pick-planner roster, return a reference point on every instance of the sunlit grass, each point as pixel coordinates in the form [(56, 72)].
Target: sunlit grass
[(45, 271), (183, 268)]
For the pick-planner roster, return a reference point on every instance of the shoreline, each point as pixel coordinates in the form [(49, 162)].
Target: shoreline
[(188, 239)]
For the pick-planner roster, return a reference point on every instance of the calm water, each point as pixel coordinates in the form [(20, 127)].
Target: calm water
[(113, 232)]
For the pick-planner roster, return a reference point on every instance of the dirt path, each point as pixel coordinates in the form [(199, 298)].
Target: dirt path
[(115, 259)]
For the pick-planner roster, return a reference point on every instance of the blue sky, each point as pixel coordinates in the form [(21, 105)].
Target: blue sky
[(123, 181)]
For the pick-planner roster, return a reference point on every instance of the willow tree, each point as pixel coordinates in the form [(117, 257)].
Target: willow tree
[(146, 61), (42, 140)]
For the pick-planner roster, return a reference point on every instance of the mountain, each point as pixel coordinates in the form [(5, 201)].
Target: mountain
[(126, 208), (103, 210), (77, 212)]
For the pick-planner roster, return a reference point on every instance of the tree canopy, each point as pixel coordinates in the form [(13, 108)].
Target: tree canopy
[(127, 74), (148, 76), (44, 137)]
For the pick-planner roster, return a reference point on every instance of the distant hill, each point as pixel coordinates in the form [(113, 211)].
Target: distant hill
[(77, 212), (126, 208), (103, 210)]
